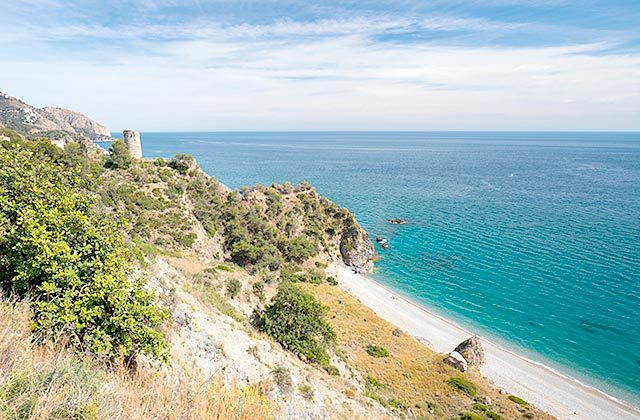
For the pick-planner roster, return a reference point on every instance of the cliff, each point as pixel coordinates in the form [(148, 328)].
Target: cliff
[(60, 125)]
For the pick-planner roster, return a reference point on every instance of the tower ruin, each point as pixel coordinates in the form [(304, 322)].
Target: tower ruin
[(132, 140)]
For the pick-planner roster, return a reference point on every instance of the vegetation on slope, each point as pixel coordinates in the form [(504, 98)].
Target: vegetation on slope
[(297, 321), (70, 261), (48, 382), (73, 229)]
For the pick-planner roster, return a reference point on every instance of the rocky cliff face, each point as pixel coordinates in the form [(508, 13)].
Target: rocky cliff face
[(60, 125), (357, 250), (75, 122)]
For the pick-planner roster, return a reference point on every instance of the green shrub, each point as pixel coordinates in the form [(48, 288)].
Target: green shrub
[(297, 321), (332, 370), (518, 400), (377, 351), (182, 163), (70, 261), (312, 276), (332, 281), (463, 385), (223, 267), (492, 415), (374, 382), (118, 157), (233, 287), (470, 416), (300, 248), (258, 290), (397, 404), (307, 391)]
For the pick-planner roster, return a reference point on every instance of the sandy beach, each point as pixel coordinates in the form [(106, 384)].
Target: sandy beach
[(536, 383)]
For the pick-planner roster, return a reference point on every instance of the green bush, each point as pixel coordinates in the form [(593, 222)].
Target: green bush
[(182, 163), (463, 385), (397, 404), (307, 391), (332, 370), (374, 382), (300, 248), (118, 157), (518, 400), (233, 287), (377, 351), (297, 321), (470, 416), (70, 261)]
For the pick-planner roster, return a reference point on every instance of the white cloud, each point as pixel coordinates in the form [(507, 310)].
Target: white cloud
[(330, 74)]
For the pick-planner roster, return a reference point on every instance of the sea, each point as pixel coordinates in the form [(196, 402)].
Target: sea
[(532, 239)]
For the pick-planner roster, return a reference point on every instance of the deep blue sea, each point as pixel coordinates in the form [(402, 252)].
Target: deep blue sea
[(531, 238)]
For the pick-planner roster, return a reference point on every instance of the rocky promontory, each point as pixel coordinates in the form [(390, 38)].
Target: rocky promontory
[(60, 125)]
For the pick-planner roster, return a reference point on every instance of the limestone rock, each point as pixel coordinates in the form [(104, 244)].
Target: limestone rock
[(357, 250), (456, 360), (75, 122), (61, 126), (472, 351)]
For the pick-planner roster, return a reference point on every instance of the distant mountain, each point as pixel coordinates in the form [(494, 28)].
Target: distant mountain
[(58, 124)]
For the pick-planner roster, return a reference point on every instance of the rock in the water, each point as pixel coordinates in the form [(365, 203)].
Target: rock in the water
[(397, 221), (456, 360), (472, 351)]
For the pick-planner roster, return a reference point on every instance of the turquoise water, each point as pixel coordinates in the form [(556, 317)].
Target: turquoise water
[(533, 238)]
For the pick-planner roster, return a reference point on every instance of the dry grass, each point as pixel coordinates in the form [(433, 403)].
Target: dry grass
[(46, 382), (412, 374)]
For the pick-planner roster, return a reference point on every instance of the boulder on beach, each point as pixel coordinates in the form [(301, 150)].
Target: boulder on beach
[(472, 351), (456, 360)]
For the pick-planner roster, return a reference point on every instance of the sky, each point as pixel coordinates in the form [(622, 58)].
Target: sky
[(270, 65)]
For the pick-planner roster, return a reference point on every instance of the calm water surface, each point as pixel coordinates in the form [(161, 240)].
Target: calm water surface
[(532, 238)]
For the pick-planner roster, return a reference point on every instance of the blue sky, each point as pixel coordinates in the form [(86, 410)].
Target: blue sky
[(159, 65)]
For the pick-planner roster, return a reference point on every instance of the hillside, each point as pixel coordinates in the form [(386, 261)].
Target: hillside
[(147, 289), (58, 124)]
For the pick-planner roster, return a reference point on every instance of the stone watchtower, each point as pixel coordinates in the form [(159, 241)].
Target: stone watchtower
[(132, 140)]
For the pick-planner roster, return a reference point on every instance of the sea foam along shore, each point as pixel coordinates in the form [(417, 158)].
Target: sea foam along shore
[(540, 385)]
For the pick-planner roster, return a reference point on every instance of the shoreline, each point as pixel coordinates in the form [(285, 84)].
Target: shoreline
[(540, 385)]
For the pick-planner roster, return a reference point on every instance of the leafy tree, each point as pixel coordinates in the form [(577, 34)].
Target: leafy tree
[(300, 248), (297, 320), (182, 163), (118, 157), (69, 260)]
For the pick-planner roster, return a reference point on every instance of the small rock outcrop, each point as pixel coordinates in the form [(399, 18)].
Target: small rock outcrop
[(472, 351), (357, 250), (456, 360), (397, 221)]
